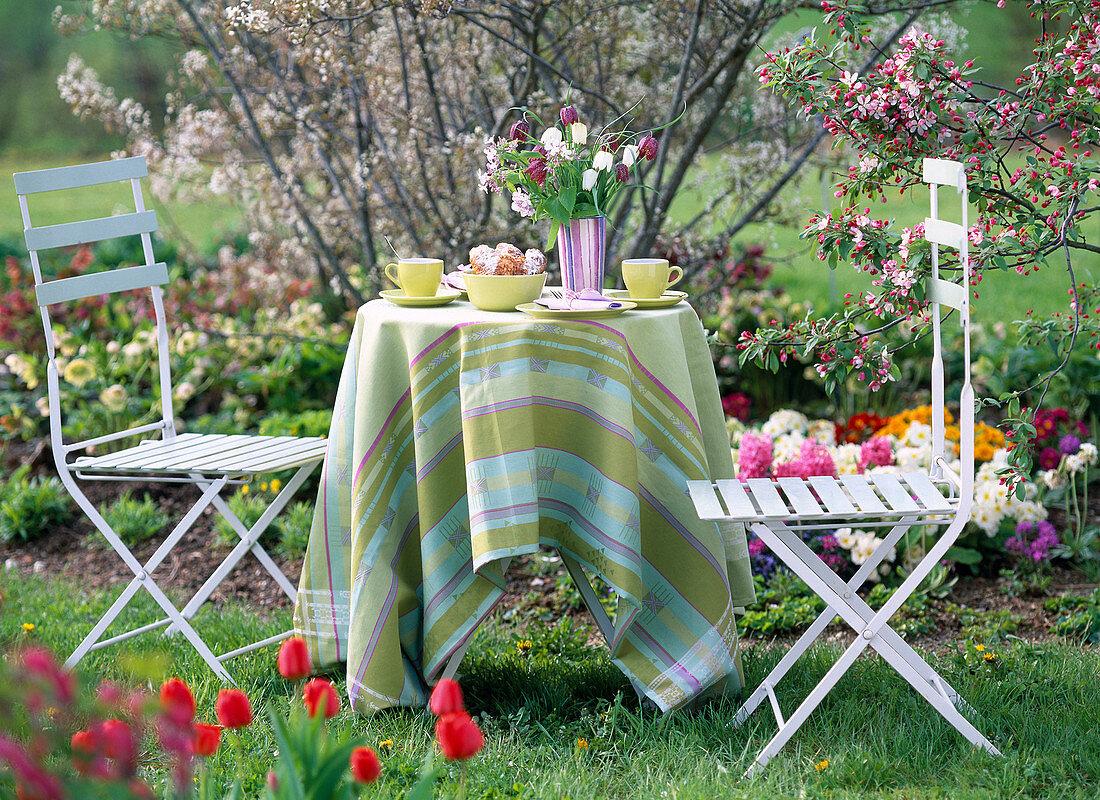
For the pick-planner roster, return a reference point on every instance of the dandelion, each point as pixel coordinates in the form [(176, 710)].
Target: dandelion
[(989, 658), (244, 489), (524, 646), (385, 744), (582, 744), (28, 626), (263, 486), (821, 766), (276, 484)]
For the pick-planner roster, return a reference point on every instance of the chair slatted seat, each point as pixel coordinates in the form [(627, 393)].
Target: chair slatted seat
[(209, 461), (778, 512)]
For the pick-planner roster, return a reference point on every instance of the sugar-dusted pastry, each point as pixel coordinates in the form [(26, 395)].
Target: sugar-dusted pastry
[(510, 260), (483, 260), (535, 260)]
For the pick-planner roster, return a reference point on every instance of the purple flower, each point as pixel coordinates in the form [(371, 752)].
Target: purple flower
[(1015, 545), (1024, 529), (1049, 458), (622, 172), (536, 171), (1046, 528), (519, 132), (647, 147), (1069, 444), (569, 115)]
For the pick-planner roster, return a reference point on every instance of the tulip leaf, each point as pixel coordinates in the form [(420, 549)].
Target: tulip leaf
[(333, 769)]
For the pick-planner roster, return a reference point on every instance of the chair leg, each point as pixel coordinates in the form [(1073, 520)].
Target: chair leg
[(595, 608), (143, 578), (811, 634), (249, 543), (915, 670)]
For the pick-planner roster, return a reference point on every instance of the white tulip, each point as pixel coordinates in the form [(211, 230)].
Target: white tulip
[(604, 160), (630, 154), (588, 179), (551, 136), (579, 133)]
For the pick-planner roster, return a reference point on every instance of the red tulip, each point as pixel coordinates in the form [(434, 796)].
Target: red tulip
[(459, 736), (365, 766), (446, 697), (207, 738), (519, 132), (647, 147), (233, 708), (84, 745), (569, 115), (318, 690), (622, 172), (293, 661), (118, 744), (272, 781), (177, 701)]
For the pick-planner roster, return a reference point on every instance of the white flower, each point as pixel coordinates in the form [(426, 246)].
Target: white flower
[(845, 538), (578, 132), (630, 154), (917, 434), (822, 430), (43, 406), (551, 136), (785, 420), (1088, 452), (604, 161), (588, 179), (846, 457), (1052, 479), (185, 391)]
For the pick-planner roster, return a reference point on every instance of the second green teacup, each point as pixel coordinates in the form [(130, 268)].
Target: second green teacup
[(417, 277), (649, 278)]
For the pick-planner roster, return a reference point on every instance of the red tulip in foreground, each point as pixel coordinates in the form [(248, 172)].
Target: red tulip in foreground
[(293, 662), (177, 701), (233, 708), (319, 691), (365, 766), (207, 739), (446, 697), (459, 736)]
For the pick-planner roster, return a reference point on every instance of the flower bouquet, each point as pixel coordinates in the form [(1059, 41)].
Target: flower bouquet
[(570, 176)]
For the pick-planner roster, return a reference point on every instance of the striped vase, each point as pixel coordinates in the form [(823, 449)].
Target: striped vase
[(581, 247)]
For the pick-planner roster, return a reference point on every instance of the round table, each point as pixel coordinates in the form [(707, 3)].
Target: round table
[(462, 438)]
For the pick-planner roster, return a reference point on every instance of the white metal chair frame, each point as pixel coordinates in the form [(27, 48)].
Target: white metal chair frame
[(896, 502), (211, 462)]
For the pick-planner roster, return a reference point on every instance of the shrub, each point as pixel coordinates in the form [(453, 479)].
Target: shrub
[(135, 521), (31, 507), (248, 508), (294, 525)]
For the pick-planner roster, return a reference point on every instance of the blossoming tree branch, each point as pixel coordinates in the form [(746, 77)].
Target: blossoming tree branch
[(1029, 155)]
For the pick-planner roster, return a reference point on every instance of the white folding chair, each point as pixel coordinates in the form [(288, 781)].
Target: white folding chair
[(777, 511), (209, 461)]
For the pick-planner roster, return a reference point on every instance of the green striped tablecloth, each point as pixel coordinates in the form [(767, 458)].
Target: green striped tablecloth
[(462, 437)]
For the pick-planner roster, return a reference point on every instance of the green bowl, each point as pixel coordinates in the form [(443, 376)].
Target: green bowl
[(503, 292)]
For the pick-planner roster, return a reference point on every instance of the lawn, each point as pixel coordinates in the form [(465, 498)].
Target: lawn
[(1040, 704)]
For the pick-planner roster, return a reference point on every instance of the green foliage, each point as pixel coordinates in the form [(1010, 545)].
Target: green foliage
[(1079, 617), (31, 507), (315, 422), (134, 520), (249, 507), (985, 626), (293, 526)]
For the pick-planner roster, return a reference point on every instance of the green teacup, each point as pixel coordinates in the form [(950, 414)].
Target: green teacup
[(649, 278), (417, 277)]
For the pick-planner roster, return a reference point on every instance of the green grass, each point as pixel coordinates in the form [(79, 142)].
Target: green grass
[(1041, 706)]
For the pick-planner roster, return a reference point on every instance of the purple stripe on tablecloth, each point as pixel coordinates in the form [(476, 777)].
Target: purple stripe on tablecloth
[(667, 658), (328, 557), (503, 511), (670, 518), (448, 588), (447, 448), (648, 374), (433, 345), (522, 402), (381, 431), (390, 597), (579, 518)]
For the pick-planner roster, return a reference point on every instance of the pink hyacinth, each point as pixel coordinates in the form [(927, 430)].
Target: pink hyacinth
[(813, 459), (875, 452), (755, 456)]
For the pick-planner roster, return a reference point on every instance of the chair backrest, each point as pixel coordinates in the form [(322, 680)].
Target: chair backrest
[(941, 233), (151, 275)]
